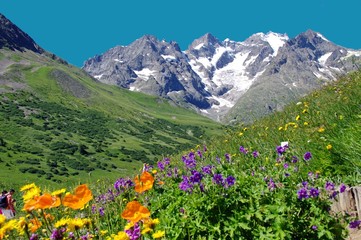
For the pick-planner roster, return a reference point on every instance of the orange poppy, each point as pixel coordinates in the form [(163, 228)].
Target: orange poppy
[(34, 225), (81, 197), (42, 202), (134, 212), (144, 182)]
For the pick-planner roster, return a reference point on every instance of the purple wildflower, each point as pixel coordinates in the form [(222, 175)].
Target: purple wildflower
[(101, 211), (307, 156), (314, 227), (204, 148), (218, 179), (185, 185), (170, 173), (305, 184), (294, 159), (201, 187), (110, 195), (228, 157), (287, 174), (57, 234), (86, 237), (314, 192), (102, 198), (34, 237), (71, 235), (310, 174), (160, 165), (243, 150), (94, 209), (230, 180), (123, 183), (166, 161), (329, 186), (134, 233), (280, 150), (271, 184), (207, 169), (334, 194), (302, 193), (147, 167), (190, 162), (199, 153), (255, 154), (196, 177), (181, 210), (218, 160), (342, 188), (355, 224), (285, 166)]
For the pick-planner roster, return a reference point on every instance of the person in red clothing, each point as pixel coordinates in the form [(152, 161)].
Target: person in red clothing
[(9, 210), (11, 201)]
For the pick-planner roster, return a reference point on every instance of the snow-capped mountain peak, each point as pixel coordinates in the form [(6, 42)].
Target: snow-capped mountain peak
[(214, 77), (276, 40)]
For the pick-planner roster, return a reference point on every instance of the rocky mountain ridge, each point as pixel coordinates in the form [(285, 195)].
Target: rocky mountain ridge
[(213, 76), (14, 38)]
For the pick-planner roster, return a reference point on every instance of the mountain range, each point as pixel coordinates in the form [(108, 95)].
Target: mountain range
[(228, 81)]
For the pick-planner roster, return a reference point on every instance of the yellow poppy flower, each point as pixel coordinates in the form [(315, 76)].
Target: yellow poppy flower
[(121, 236), (158, 234)]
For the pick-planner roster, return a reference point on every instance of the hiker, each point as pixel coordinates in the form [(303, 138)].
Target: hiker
[(3, 200), (7, 206)]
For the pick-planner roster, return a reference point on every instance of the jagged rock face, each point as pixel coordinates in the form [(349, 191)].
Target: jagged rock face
[(151, 66), (228, 68), (14, 38), (224, 79)]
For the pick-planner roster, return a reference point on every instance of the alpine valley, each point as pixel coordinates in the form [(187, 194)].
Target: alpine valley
[(59, 124), (226, 80)]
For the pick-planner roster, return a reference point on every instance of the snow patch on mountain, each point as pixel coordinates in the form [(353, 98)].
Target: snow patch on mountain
[(222, 103), (98, 76), (321, 36), (168, 57), (322, 60), (117, 60), (234, 73), (145, 73), (275, 40)]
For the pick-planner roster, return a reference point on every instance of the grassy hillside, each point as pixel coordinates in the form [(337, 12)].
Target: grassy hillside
[(326, 122), (59, 125)]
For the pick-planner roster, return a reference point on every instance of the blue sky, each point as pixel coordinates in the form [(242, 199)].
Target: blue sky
[(76, 30)]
